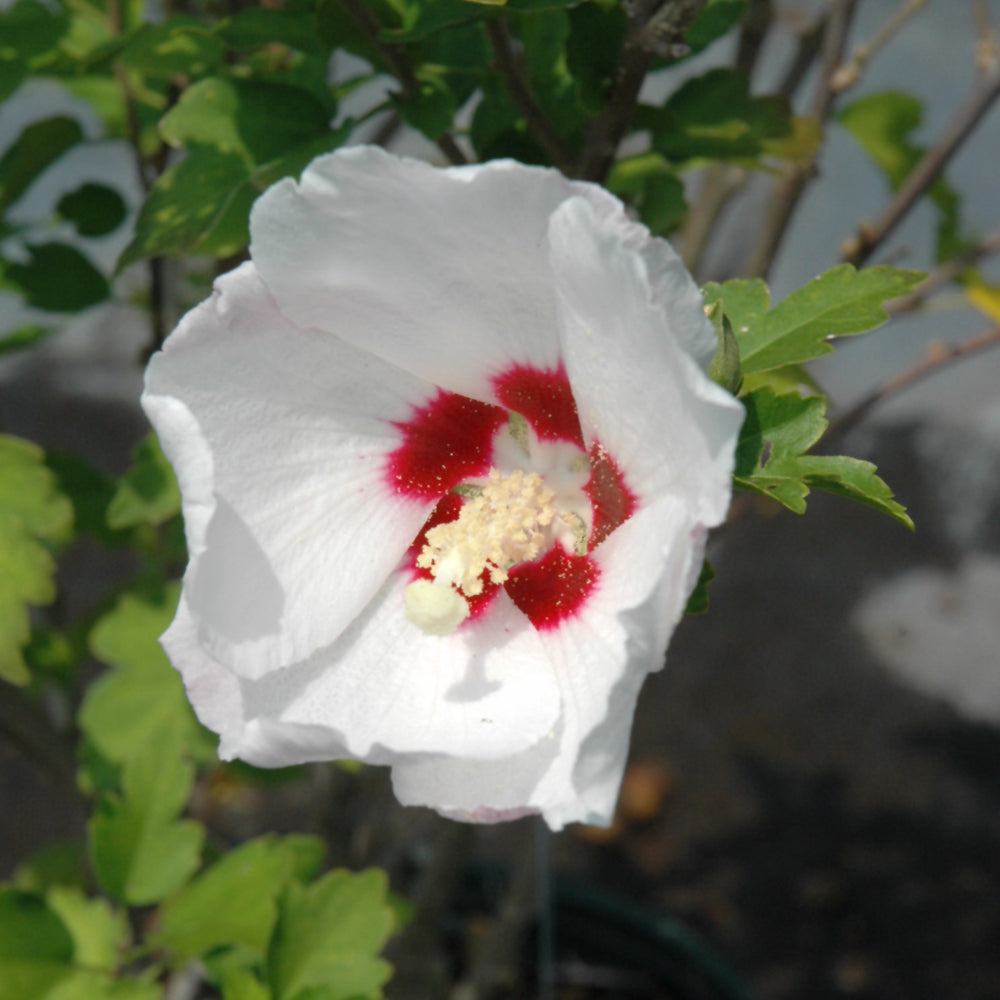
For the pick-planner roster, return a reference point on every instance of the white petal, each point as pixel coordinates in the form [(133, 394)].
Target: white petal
[(386, 689), (279, 437), (638, 390), (441, 272), (214, 691), (600, 658)]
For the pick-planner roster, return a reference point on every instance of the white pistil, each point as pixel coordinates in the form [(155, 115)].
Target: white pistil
[(503, 526)]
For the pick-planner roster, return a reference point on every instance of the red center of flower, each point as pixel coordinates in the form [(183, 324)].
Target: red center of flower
[(451, 442)]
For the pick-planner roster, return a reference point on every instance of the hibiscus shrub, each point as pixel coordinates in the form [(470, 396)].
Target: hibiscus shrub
[(435, 461)]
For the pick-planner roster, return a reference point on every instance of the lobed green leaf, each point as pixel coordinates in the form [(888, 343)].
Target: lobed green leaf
[(328, 936), (235, 902), (771, 456), (842, 302), (141, 702), (139, 850), (33, 515)]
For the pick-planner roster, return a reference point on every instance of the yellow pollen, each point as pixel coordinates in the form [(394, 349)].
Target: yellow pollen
[(502, 526)]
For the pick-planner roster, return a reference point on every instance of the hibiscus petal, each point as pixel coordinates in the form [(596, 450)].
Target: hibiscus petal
[(600, 658), (441, 272), (385, 688), (639, 393), (280, 437)]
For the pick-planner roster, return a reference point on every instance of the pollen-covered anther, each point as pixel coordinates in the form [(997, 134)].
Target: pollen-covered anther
[(501, 527)]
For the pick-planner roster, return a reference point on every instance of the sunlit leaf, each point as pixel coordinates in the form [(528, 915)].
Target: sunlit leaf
[(714, 116), (33, 515), (148, 493), (883, 123), (234, 902), (142, 700), (35, 947), (139, 849), (100, 933), (842, 302), (329, 935)]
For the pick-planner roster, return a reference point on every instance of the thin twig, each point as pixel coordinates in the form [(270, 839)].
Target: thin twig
[(945, 273), (850, 72), (541, 127), (753, 34), (792, 185), (654, 28), (719, 184), (809, 45), (936, 357), (495, 973), (398, 61), (870, 237)]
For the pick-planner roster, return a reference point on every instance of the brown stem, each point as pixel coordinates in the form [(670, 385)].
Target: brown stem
[(936, 357), (398, 62), (653, 27), (792, 185), (541, 127), (753, 34), (870, 237), (945, 273)]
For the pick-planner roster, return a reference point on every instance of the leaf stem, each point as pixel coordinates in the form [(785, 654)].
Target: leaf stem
[(870, 237), (936, 357), (539, 124)]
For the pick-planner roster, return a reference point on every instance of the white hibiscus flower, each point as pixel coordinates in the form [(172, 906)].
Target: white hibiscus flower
[(448, 454)]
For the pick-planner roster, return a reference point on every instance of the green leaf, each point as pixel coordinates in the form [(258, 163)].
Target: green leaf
[(257, 120), (596, 34), (328, 934), (140, 851), (242, 136), (235, 902), (100, 933), (33, 514), (714, 21), (37, 148), (30, 33), (544, 36), (650, 185), (714, 117), (25, 336), (883, 123), (242, 984), (87, 985), (771, 459), (94, 209), (141, 702), (62, 863), (842, 302), (148, 493), (58, 278), (256, 27), (431, 109), (698, 601), (180, 46), (35, 947)]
